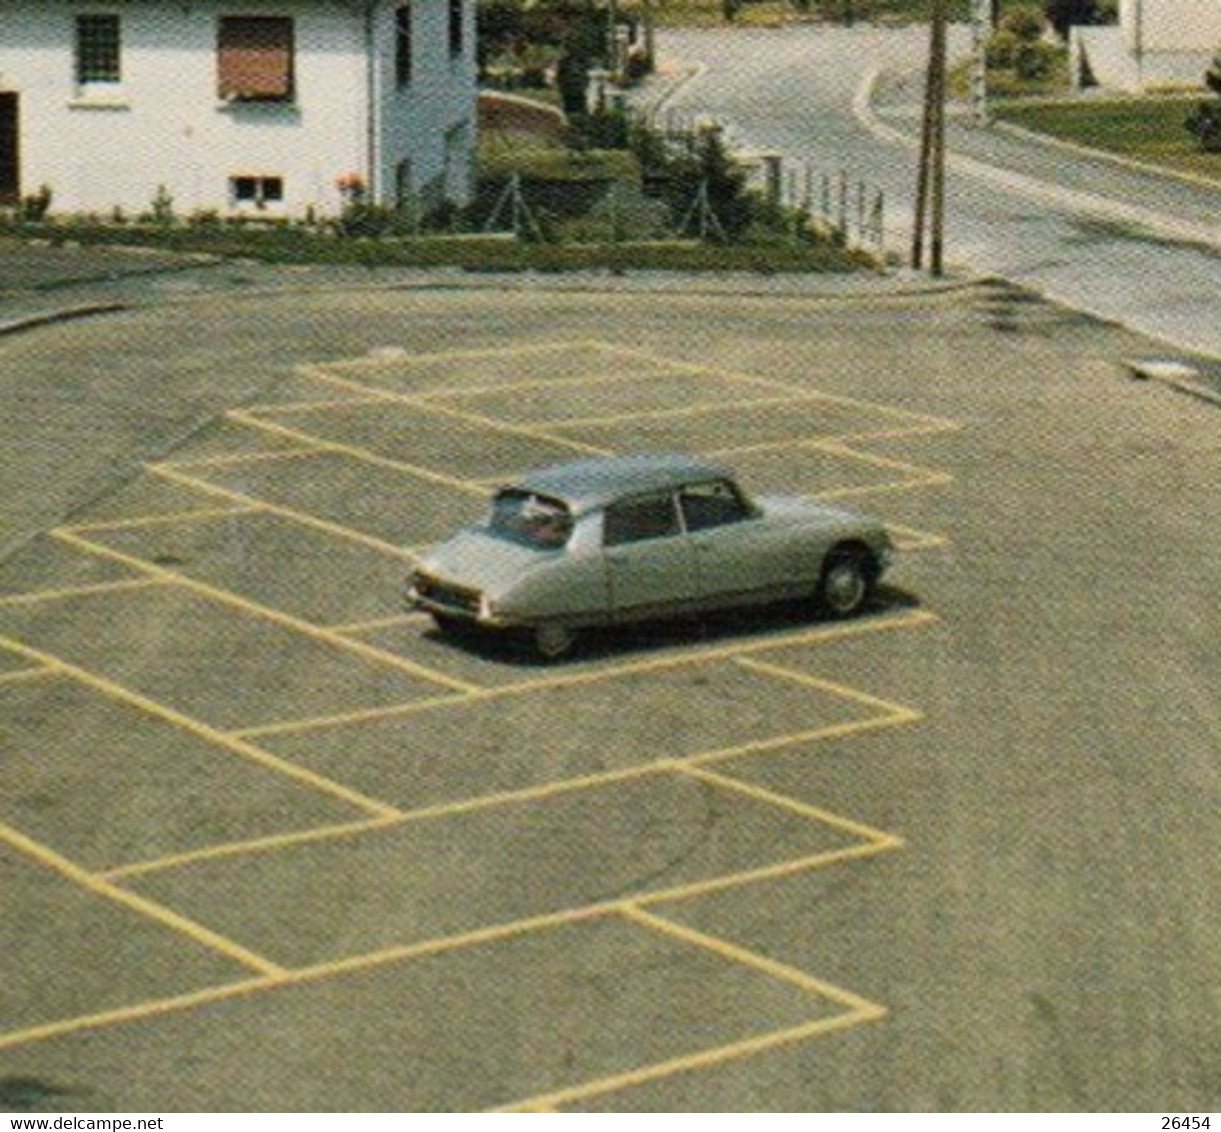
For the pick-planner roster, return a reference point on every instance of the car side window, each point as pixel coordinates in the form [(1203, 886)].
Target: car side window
[(712, 504), (639, 518)]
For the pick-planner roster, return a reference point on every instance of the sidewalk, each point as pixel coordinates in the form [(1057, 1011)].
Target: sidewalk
[(1108, 186)]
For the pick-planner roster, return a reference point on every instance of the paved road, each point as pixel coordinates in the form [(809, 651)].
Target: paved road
[(1111, 242), (267, 844)]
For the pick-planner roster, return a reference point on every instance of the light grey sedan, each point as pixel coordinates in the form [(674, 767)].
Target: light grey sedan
[(636, 538)]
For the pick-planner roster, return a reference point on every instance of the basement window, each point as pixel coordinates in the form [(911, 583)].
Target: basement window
[(255, 192)]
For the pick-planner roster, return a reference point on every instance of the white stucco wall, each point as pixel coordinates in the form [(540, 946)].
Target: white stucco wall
[(1158, 26), (165, 124)]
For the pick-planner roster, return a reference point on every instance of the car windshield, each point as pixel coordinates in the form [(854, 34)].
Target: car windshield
[(529, 519)]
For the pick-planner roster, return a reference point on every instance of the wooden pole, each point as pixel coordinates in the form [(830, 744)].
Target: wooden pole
[(938, 148)]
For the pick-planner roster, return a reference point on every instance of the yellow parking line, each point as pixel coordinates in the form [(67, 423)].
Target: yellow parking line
[(610, 378), (767, 872), (135, 1013), (915, 539), (752, 959), (147, 908), (256, 504), (236, 746), (362, 454), (816, 735), (526, 431), (784, 802), (201, 514), (823, 685), (756, 379), (692, 410), (475, 693), (79, 591), (370, 396), (418, 402), (266, 456), (225, 597), (705, 1059), (253, 845), (398, 620)]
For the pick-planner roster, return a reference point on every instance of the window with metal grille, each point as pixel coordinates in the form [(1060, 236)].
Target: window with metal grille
[(403, 45), (256, 192), (98, 50), (456, 39), (255, 58)]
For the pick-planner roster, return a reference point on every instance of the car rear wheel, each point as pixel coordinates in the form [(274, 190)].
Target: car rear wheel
[(553, 640), (848, 576)]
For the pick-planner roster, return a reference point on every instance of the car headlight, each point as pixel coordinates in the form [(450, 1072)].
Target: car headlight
[(487, 608)]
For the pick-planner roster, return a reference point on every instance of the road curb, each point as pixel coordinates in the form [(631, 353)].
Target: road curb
[(50, 318)]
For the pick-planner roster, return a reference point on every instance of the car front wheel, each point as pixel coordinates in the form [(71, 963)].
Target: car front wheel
[(847, 582)]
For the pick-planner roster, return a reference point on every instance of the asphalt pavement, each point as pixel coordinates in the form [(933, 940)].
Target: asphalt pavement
[(1115, 242)]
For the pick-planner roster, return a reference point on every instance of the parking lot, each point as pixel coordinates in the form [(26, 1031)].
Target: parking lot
[(287, 847)]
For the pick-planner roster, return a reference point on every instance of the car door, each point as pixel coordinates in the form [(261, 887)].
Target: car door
[(649, 559), (736, 554)]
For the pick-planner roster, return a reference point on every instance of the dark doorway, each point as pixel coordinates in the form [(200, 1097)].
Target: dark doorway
[(10, 164)]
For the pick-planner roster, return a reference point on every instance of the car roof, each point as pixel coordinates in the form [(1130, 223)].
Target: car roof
[(588, 484)]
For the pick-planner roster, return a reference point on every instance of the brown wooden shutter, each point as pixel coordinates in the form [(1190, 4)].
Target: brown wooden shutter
[(255, 57)]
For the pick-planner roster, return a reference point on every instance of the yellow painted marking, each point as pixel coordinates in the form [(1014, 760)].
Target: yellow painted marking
[(397, 621), (200, 514), (784, 802), (300, 517), (147, 908), (225, 597), (752, 959), (705, 1059), (824, 685), (609, 378), (136, 1013), (702, 408), (528, 431), (371, 396), (253, 845), (474, 693), (362, 454), (267, 456), (79, 591), (424, 813), (909, 538), (201, 730), (821, 735), (755, 379)]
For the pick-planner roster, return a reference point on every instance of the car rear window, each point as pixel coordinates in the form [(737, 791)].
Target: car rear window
[(532, 520)]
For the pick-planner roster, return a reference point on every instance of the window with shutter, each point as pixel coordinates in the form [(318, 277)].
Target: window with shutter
[(255, 58)]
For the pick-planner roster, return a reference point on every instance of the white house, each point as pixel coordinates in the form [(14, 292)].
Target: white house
[(1158, 44), (270, 107)]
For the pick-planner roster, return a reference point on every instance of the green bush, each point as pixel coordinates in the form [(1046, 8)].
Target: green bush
[(1001, 49), (1034, 61), (1027, 23)]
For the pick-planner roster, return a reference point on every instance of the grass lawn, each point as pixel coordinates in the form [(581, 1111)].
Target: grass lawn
[(1145, 129)]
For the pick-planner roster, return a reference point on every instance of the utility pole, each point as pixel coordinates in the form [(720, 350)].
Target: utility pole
[(981, 28), (931, 178)]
